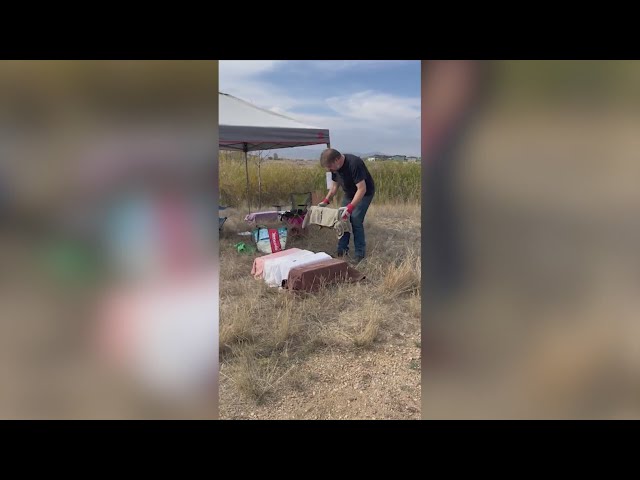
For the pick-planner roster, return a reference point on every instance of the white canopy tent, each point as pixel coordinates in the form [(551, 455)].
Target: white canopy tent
[(245, 127)]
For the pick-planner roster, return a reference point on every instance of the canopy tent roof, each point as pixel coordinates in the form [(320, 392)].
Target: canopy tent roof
[(246, 127)]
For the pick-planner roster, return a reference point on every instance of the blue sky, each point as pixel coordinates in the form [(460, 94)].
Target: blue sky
[(369, 106)]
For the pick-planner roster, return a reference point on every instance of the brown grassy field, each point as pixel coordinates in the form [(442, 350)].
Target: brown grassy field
[(349, 351)]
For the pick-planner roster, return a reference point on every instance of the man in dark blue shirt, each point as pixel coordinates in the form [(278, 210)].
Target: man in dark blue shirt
[(351, 174)]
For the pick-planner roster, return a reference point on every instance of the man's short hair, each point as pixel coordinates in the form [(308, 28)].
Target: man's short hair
[(328, 156)]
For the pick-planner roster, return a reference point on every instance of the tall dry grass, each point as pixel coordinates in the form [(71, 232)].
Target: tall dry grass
[(395, 181)]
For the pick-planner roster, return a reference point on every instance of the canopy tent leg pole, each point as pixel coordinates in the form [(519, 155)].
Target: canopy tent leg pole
[(246, 167), (259, 183), (329, 146)]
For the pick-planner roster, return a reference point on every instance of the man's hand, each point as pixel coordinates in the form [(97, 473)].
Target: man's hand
[(324, 202), (346, 211)]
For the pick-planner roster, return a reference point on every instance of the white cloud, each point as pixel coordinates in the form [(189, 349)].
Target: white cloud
[(334, 66), (376, 107), (362, 122), (242, 78), (241, 69)]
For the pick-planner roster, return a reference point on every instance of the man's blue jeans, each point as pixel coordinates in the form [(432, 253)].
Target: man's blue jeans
[(357, 224)]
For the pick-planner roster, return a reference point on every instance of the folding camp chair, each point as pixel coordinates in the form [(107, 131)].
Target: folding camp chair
[(221, 220), (300, 203)]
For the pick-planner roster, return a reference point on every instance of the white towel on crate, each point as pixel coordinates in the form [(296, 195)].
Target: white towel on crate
[(281, 271), (271, 271)]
